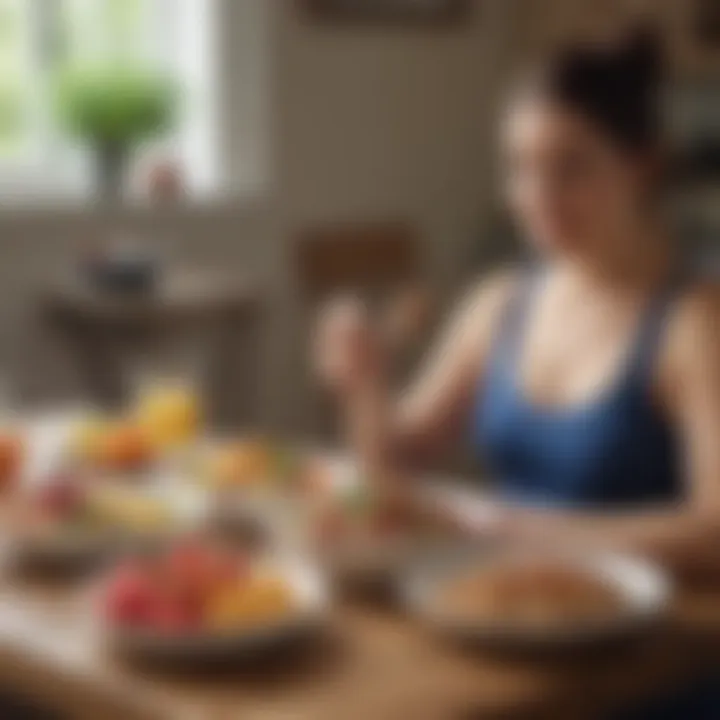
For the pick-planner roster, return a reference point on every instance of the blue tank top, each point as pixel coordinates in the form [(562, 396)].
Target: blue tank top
[(616, 450)]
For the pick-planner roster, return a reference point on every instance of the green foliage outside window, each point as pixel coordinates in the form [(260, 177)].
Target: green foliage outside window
[(12, 98)]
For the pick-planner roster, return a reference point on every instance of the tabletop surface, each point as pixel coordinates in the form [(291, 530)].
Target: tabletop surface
[(372, 662)]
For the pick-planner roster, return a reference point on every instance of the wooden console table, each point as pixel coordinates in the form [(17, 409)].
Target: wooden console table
[(101, 330)]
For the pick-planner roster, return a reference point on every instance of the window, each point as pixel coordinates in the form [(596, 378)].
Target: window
[(38, 38)]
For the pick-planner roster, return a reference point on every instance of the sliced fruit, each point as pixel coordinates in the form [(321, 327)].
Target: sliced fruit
[(125, 447), (257, 601), (12, 452)]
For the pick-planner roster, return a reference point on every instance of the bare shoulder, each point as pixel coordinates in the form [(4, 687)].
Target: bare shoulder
[(697, 316), (457, 359), (467, 336), (484, 302), (693, 338)]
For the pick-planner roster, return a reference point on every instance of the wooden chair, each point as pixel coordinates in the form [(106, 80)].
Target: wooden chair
[(363, 256), (374, 259)]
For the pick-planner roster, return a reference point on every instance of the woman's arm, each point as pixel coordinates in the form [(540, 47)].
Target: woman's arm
[(686, 539), (686, 536), (431, 411), (381, 428)]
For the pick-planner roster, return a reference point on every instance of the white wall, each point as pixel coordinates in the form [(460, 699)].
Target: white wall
[(379, 122), (344, 123), (387, 123)]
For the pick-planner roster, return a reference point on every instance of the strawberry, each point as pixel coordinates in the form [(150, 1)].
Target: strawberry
[(129, 596), (170, 616)]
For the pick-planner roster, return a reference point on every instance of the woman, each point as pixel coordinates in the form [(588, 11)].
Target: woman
[(591, 382)]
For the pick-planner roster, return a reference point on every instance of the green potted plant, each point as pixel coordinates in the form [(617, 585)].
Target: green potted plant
[(113, 110)]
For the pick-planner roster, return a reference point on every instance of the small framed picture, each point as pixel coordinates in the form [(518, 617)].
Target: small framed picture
[(707, 24), (693, 35), (400, 12)]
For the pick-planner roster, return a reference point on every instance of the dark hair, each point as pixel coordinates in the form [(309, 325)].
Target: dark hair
[(617, 87)]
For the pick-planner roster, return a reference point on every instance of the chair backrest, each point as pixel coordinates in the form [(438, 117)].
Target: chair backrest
[(368, 256)]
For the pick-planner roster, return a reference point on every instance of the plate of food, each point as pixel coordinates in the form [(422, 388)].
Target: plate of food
[(52, 526), (255, 483), (203, 601), (148, 513), (260, 466), (526, 600), (67, 520), (368, 534)]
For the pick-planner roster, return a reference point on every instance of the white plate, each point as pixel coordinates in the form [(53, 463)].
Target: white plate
[(312, 603), (376, 559), (645, 589)]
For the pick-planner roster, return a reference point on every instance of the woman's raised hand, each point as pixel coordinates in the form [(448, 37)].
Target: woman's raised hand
[(353, 350), (349, 348)]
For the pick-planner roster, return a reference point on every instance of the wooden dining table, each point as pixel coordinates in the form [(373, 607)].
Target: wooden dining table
[(371, 661)]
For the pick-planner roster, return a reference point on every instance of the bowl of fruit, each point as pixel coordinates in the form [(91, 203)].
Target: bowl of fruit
[(204, 600)]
